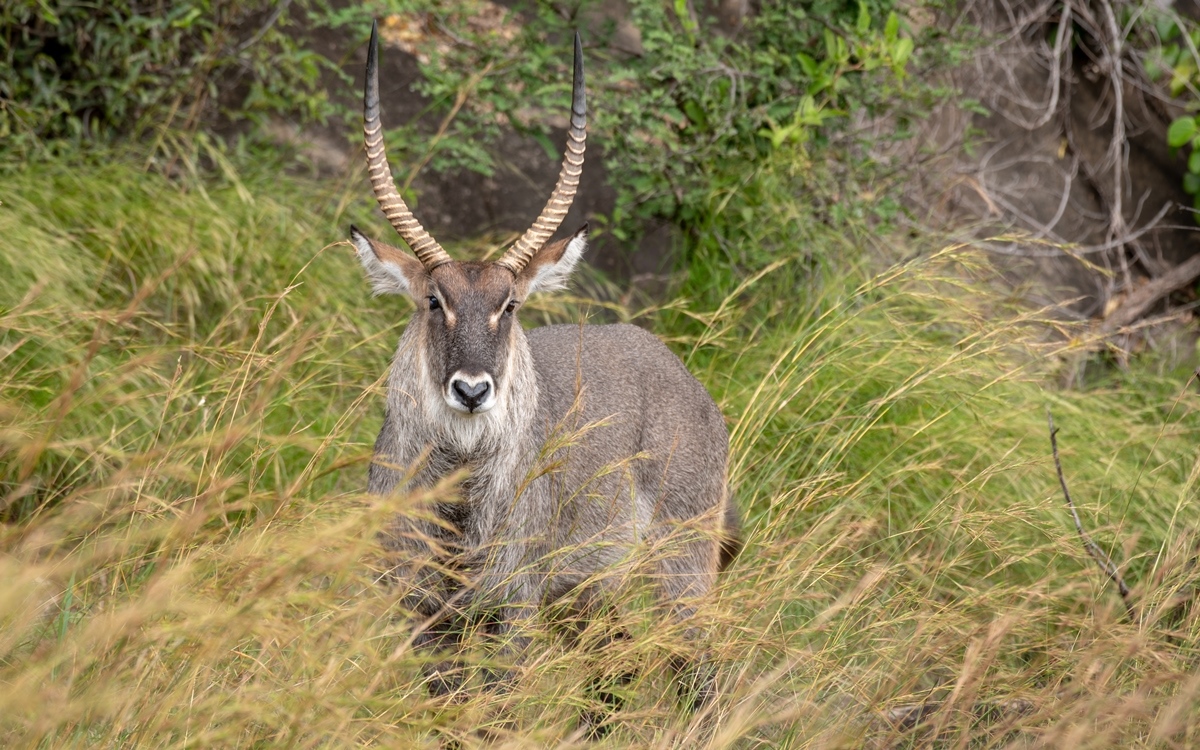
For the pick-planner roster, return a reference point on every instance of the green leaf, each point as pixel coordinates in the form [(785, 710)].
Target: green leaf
[(808, 64), (683, 13), (863, 24), (1181, 131), (1194, 162), (901, 51), (49, 16), (1152, 68), (1166, 28), (1191, 183), (808, 112), (830, 44), (695, 113), (1170, 54), (891, 29), (187, 20), (547, 145), (843, 51), (821, 83), (1182, 75)]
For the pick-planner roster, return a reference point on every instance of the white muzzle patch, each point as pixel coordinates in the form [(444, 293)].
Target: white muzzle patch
[(470, 394)]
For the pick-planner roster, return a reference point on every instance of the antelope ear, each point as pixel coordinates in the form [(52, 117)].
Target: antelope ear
[(551, 266), (390, 270)]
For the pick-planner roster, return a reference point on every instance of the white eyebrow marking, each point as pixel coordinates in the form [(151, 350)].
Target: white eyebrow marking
[(451, 318), (494, 318)]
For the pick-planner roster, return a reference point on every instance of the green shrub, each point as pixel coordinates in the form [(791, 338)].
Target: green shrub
[(696, 111), (695, 114), (94, 70)]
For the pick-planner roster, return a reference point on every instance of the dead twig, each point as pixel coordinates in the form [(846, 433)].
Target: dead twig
[(464, 92), (1064, 25), (1118, 145), (1140, 301), (258, 35), (1100, 556)]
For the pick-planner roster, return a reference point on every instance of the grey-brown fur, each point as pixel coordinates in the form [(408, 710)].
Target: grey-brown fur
[(643, 463), (590, 451), (650, 452)]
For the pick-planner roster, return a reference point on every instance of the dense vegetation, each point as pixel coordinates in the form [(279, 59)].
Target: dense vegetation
[(192, 380)]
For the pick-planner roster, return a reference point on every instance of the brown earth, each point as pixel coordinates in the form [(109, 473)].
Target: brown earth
[(1040, 167)]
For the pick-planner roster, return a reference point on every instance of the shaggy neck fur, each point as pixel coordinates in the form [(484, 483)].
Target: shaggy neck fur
[(496, 446)]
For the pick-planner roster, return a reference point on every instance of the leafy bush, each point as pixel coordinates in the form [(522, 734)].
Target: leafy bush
[(1168, 44), (92, 70), (693, 112)]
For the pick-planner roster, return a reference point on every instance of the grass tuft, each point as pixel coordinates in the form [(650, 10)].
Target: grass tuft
[(192, 380)]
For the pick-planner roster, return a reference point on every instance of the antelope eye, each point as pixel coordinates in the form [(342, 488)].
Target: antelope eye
[(434, 304), (512, 305)]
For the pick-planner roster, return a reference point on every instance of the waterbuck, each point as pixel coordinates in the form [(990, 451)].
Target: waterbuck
[(580, 443)]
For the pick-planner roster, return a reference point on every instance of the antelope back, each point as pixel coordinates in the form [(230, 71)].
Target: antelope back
[(641, 409)]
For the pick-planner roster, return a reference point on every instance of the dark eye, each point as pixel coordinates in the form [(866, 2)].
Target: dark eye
[(512, 305), (434, 304)]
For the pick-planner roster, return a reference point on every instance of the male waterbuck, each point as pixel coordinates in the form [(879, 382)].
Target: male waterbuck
[(580, 444)]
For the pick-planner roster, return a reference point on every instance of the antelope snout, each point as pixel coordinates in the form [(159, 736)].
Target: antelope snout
[(471, 393)]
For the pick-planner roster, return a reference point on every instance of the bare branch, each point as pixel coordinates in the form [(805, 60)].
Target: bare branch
[(1100, 556), (271, 19), (1140, 301), (1118, 145), (1064, 25)]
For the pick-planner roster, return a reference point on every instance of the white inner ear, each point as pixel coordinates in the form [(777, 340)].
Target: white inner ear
[(555, 275), (385, 278)]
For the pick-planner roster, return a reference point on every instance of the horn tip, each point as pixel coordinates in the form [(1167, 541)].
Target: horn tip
[(371, 80), (578, 94), (373, 49)]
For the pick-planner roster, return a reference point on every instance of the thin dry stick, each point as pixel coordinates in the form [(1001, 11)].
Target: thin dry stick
[(271, 19), (1102, 559), (1064, 24), (1139, 302), (1118, 144), (459, 100)]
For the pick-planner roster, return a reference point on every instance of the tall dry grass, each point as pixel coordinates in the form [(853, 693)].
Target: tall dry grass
[(191, 382)]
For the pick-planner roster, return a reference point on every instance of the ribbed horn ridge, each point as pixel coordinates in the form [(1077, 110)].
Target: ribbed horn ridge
[(425, 247), (568, 179)]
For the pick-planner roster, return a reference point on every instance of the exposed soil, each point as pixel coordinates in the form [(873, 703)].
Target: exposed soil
[(1040, 166)]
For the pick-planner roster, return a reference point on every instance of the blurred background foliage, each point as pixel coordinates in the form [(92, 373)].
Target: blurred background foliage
[(690, 115), (98, 71)]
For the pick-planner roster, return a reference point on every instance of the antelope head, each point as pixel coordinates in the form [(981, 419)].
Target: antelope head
[(465, 318)]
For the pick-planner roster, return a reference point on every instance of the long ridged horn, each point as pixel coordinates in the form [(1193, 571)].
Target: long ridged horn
[(425, 247), (568, 179)]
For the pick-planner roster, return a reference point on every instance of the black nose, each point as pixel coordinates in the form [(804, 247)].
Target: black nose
[(471, 395)]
